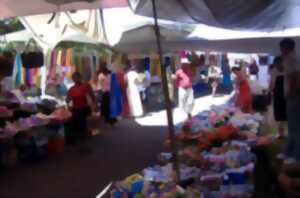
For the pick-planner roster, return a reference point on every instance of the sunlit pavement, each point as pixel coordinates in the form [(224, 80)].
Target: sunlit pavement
[(201, 104)]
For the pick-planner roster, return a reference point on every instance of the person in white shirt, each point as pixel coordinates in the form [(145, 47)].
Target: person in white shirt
[(292, 95)]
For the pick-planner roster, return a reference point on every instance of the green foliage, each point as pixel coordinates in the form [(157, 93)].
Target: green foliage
[(10, 25)]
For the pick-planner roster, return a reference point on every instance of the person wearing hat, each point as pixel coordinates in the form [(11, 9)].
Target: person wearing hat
[(184, 76)]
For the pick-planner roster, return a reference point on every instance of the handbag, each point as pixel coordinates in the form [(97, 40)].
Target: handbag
[(7, 64), (32, 59)]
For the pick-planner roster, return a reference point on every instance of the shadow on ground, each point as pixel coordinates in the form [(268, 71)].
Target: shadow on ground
[(118, 152)]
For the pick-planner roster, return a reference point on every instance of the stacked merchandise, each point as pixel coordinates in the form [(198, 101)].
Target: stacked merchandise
[(38, 120), (215, 159), (34, 137)]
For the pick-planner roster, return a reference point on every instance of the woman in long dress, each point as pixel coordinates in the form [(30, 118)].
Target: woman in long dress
[(134, 99), (243, 98)]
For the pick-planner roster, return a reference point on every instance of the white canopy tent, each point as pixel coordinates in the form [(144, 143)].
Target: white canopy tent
[(142, 40), (17, 8), (261, 15)]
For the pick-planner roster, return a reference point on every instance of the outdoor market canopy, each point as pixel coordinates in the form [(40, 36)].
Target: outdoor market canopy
[(13, 8), (259, 15)]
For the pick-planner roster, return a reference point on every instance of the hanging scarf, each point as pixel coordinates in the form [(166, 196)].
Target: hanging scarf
[(52, 67), (58, 58), (17, 72), (86, 69), (116, 106), (28, 77), (63, 58), (147, 63), (69, 55)]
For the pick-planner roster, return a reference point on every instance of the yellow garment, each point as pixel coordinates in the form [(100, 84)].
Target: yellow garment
[(158, 69), (154, 67), (69, 63), (58, 58), (69, 55)]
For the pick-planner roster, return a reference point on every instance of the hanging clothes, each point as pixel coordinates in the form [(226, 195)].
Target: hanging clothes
[(147, 63), (28, 77), (69, 56), (58, 58), (86, 69), (116, 107), (52, 66), (63, 58), (123, 86), (17, 72)]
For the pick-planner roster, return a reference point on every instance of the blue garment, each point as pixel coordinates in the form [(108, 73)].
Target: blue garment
[(226, 80), (28, 77), (115, 97), (226, 72), (18, 70), (147, 63)]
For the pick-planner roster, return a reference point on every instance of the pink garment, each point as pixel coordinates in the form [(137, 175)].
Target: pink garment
[(184, 77)]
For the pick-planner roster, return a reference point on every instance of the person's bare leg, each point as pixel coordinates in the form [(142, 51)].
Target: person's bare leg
[(214, 88)]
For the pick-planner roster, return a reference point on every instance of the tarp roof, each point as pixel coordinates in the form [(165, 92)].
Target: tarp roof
[(261, 15), (13, 8), (267, 45), (143, 38)]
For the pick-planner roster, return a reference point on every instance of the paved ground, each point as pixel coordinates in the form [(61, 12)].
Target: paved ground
[(118, 152)]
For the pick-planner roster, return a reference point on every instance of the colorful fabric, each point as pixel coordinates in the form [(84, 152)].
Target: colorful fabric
[(52, 66), (58, 58), (63, 57), (115, 97), (17, 73), (86, 69), (69, 57), (147, 63), (27, 77), (123, 85)]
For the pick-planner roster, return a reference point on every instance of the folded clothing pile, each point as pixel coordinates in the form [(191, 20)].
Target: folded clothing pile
[(222, 115), (136, 186), (5, 112), (38, 120)]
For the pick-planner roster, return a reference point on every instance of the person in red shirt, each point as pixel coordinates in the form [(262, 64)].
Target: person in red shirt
[(184, 77), (78, 98), (243, 97)]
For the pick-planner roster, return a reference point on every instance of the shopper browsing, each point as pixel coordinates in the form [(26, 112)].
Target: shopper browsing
[(77, 99), (292, 95), (184, 77)]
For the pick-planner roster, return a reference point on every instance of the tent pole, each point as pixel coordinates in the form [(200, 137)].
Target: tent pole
[(168, 103)]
